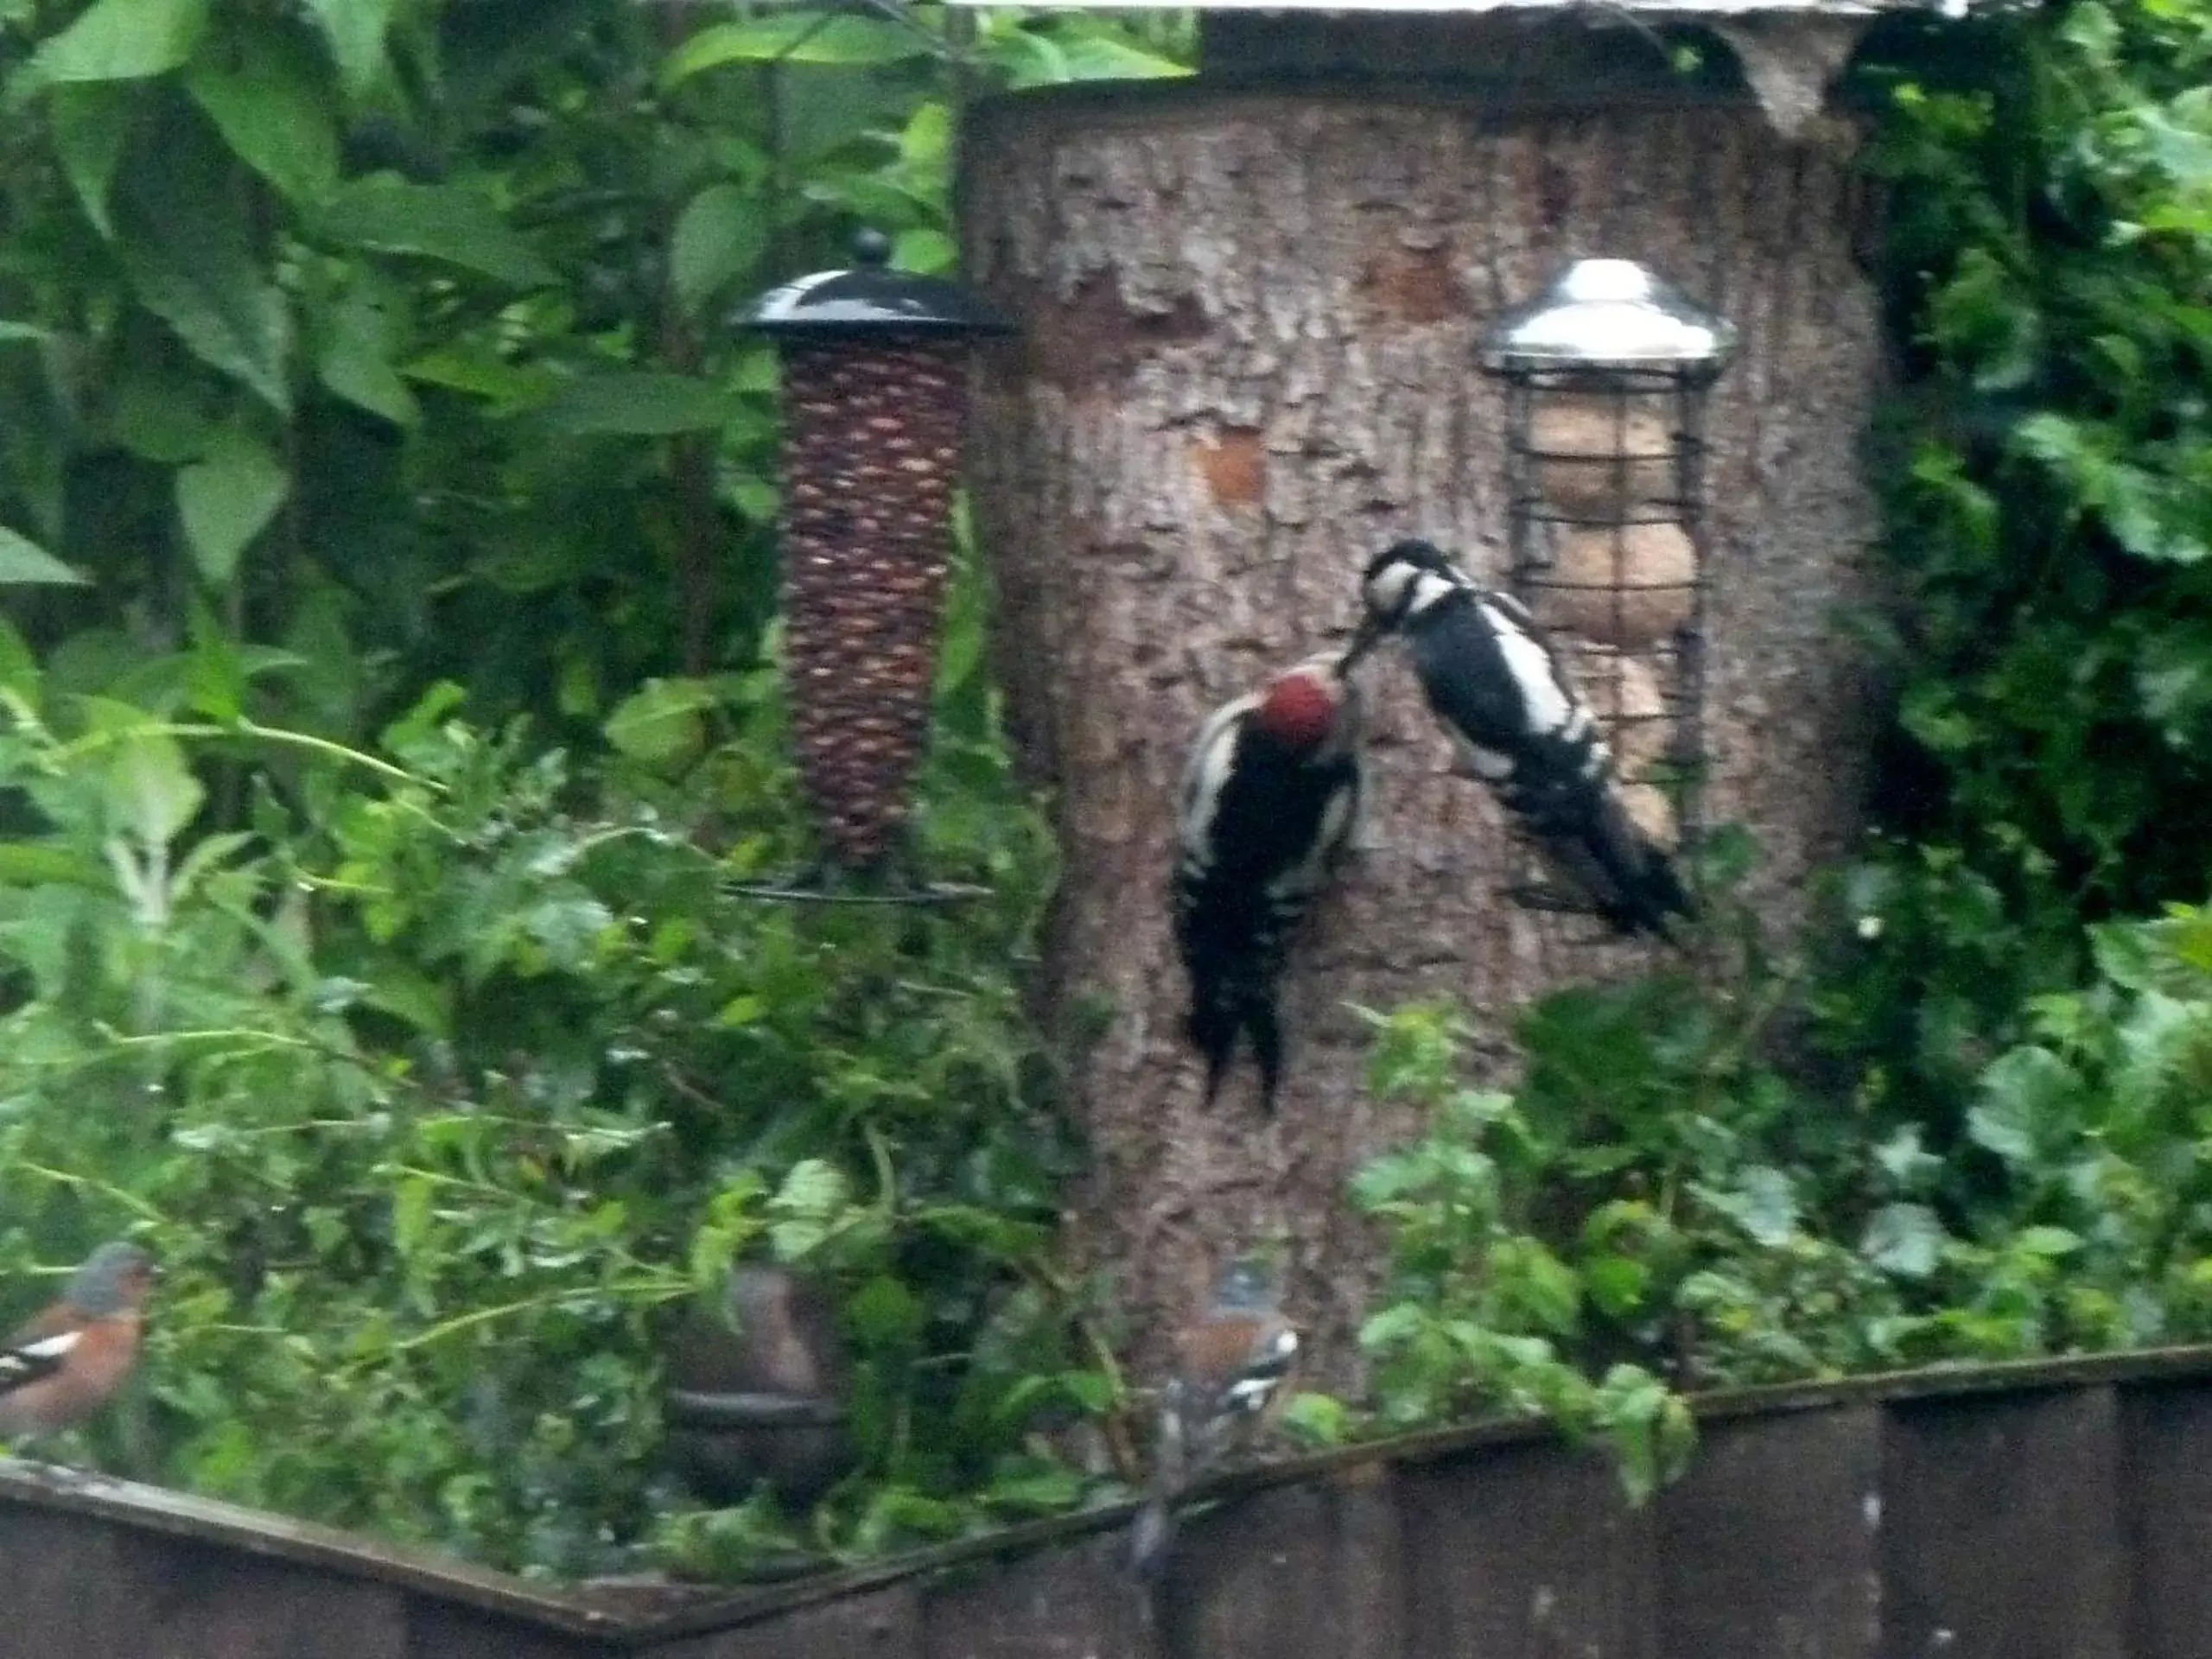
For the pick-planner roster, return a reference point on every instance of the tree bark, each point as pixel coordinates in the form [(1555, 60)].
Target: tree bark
[(1250, 321)]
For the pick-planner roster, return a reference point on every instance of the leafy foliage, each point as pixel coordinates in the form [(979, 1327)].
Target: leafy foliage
[(396, 339), (1657, 1201), (2046, 483), (431, 1085)]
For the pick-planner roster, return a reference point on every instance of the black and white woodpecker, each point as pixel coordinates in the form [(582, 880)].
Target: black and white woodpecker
[(1494, 682), (1271, 798), (1231, 1363)]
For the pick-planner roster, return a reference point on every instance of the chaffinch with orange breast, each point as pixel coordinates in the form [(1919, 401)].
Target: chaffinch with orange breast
[(58, 1368), (1231, 1361)]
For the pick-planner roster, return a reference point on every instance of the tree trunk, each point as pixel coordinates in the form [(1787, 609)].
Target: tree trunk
[(1248, 365)]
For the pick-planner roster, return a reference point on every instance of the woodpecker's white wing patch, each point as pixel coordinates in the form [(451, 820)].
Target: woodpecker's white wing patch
[(1207, 772), (1548, 709)]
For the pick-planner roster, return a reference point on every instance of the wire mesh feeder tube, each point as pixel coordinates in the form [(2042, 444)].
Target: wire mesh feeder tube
[(875, 402), (1606, 375), (870, 453)]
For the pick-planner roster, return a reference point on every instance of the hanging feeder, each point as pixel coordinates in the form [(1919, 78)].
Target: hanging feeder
[(875, 399), (1606, 376)]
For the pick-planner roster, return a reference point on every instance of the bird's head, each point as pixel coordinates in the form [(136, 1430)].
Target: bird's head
[(114, 1277), (1392, 587), (1248, 1285), (1310, 707)]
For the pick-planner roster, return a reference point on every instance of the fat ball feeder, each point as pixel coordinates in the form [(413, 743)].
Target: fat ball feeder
[(1606, 375)]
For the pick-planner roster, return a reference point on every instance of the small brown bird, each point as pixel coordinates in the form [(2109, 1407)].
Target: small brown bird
[(1231, 1363), (58, 1368)]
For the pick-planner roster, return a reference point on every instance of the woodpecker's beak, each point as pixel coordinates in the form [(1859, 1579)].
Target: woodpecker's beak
[(1364, 641)]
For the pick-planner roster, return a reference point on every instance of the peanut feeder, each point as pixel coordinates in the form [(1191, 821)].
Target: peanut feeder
[(875, 398)]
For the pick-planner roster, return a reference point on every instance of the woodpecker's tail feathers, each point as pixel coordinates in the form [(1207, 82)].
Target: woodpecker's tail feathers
[(1212, 1027), (1641, 891), (1220, 1013)]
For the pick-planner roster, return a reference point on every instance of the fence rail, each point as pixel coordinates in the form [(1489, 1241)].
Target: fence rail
[(2057, 1510)]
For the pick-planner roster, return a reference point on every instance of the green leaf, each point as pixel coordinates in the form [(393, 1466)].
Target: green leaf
[(2026, 1095), (794, 37), (189, 250), (151, 789), (1102, 57), (1905, 1239), (19, 667), (23, 562), (356, 29), (123, 39), (91, 126), (660, 725), (2048, 1242), (362, 342), (265, 103), (923, 250), (1768, 1208), (40, 863), (447, 223), (640, 402), (1316, 1419), (228, 499), (1616, 1284), (719, 238)]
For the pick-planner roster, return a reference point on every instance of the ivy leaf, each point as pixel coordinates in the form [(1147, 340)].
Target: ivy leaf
[(356, 30), (265, 103), (1905, 1239), (1766, 1205), (23, 562), (719, 238), (2026, 1095), (442, 222), (228, 499), (639, 402), (123, 39)]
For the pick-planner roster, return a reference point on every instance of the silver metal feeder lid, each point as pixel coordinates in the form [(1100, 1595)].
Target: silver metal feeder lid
[(1610, 313)]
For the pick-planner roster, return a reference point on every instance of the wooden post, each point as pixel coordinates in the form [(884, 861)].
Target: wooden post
[(1250, 313)]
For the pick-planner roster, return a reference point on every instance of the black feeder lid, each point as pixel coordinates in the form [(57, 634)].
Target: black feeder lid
[(871, 300)]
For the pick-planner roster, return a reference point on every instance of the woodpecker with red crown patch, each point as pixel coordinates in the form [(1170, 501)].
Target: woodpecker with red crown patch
[(1492, 679), (1271, 798)]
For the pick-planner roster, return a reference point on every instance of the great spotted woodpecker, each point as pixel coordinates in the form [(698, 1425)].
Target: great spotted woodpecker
[(1271, 798), (1491, 677), (1231, 1363)]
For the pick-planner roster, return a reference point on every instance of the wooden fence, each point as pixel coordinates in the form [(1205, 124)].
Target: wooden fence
[(2047, 1511)]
